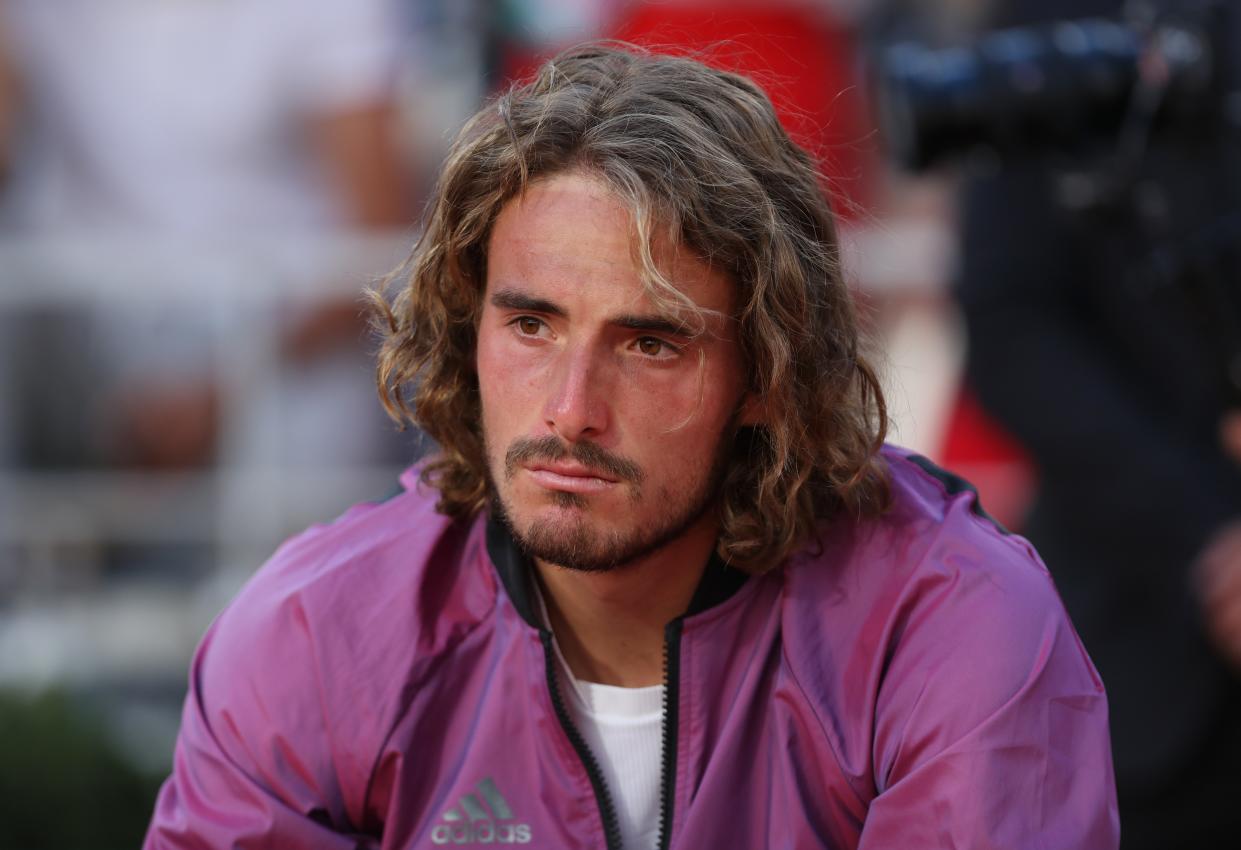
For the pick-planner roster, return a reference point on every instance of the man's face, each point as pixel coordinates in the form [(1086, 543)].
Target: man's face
[(606, 425)]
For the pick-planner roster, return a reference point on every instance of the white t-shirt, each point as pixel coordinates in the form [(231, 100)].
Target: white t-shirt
[(624, 729)]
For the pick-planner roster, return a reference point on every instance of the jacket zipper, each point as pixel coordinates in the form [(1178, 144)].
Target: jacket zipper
[(672, 702), (668, 771), (607, 809)]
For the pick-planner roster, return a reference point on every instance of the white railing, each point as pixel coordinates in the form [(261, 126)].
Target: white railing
[(64, 618)]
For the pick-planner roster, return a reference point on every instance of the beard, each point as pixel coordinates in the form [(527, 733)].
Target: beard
[(577, 544)]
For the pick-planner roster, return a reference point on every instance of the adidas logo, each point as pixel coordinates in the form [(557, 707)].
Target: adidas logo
[(478, 825)]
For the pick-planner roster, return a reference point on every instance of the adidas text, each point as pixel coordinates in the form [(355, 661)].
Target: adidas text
[(481, 832)]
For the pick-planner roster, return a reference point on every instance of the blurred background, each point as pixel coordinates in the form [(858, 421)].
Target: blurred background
[(1039, 223)]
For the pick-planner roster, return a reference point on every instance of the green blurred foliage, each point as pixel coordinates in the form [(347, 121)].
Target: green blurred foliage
[(63, 784)]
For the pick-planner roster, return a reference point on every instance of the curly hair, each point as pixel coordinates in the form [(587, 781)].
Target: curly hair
[(697, 153)]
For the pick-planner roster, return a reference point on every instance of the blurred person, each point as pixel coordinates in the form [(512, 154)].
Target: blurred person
[(185, 133), (201, 116), (1111, 384), (663, 584)]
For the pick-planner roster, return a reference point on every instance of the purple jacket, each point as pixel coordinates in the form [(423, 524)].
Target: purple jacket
[(908, 682)]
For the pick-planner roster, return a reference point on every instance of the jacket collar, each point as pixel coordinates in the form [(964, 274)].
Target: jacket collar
[(718, 583)]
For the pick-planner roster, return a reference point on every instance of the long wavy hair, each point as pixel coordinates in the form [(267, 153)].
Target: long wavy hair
[(698, 154)]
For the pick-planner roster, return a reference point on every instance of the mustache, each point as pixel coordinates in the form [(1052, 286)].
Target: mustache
[(593, 457)]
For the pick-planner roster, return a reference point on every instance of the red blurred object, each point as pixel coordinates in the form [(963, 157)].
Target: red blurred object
[(980, 450), (801, 57)]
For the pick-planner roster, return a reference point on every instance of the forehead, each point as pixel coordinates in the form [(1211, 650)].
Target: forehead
[(571, 233)]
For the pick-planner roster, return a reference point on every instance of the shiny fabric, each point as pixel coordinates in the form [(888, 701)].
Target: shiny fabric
[(905, 682)]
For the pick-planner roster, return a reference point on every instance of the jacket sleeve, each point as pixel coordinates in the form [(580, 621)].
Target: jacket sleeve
[(252, 767), (990, 723)]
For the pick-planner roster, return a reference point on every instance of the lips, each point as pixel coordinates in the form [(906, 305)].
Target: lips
[(569, 478), (569, 470)]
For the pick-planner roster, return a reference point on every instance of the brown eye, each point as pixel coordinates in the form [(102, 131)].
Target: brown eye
[(528, 325), (650, 346)]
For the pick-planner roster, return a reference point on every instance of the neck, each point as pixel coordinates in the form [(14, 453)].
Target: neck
[(610, 625)]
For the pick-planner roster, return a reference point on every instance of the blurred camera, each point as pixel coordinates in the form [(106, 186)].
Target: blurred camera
[(1070, 86)]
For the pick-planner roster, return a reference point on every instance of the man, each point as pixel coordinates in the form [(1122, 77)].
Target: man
[(661, 586)]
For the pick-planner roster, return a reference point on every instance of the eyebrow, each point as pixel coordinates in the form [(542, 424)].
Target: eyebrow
[(654, 324), (511, 299)]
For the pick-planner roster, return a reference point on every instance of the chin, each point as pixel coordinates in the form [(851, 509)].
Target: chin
[(565, 534), (578, 546)]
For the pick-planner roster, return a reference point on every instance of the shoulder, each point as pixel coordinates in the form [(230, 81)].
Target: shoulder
[(937, 619), (935, 536), (938, 659), (317, 651), (372, 574)]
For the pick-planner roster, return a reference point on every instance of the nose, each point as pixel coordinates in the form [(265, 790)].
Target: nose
[(577, 408)]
